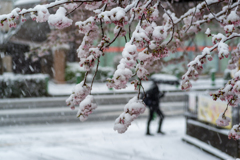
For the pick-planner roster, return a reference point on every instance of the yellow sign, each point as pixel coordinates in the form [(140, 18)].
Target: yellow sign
[(209, 110)]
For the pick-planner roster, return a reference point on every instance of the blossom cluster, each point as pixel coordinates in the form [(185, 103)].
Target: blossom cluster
[(79, 93), (194, 67), (86, 107), (150, 13), (140, 39), (123, 72), (235, 55), (41, 14), (116, 15), (10, 18), (223, 120), (145, 58), (234, 133), (86, 51), (132, 110), (59, 20), (230, 92)]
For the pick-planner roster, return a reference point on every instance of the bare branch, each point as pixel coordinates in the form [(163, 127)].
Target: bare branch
[(114, 38), (95, 73), (191, 20), (85, 78), (212, 12), (74, 9), (172, 24)]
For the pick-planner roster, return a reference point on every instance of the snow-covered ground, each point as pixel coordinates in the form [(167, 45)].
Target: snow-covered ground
[(98, 141)]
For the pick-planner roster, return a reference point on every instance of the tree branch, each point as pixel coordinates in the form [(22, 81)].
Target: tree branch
[(172, 24), (74, 9), (212, 12), (85, 78), (191, 20), (95, 73), (114, 38)]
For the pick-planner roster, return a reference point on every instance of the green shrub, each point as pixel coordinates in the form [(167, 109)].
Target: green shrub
[(15, 86)]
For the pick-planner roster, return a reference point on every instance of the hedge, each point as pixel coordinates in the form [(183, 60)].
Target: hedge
[(17, 85)]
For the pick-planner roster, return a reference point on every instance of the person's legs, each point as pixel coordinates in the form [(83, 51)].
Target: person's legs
[(150, 117), (161, 117)]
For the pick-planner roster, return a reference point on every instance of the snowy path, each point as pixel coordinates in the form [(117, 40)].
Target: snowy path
[(98, 141)]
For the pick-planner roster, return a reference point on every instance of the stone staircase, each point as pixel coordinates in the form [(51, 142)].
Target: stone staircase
[(51, 110)]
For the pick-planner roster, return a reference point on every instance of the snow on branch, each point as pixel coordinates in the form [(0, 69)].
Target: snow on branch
[(157, 32)]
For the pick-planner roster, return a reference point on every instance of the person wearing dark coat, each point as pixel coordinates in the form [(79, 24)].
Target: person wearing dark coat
[(152, 100)]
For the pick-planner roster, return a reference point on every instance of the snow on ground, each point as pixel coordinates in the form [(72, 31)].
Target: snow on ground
[(98, 141)]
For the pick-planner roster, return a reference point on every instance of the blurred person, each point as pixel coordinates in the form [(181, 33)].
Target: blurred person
[(152, 100)]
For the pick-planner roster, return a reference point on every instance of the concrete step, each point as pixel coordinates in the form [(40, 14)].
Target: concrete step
[(65, 114), (45, 102)]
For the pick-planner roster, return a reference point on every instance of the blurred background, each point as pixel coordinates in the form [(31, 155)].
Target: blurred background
[(36, 79)]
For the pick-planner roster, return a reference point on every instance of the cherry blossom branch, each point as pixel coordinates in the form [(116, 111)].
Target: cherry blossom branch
[(132, 5), (114, 38), (102, 28), (172, 25), (200, 22), (200, 5), (125, 39), (74, 9), (200, 59), (191, 20), (103, 9), (95, 73), (226, 108), (212, 12), (143, 92), (85, 78), (234, 35), (132, 17), (47, 6)]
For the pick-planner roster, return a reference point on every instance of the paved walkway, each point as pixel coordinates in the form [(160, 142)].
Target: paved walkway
[(98, 141)]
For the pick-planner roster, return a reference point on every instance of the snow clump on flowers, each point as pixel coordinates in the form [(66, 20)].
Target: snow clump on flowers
[(86, 107), (233, 18), (123, 72), (59, 20), (223, 120), (148, 27), (160, 33), (140, 37), (42, 13), (234, 133), (79, 93), (87, 25), (116, 16), (86, 52), (208, 32), (132, 110), (11, 17), (145, 59)]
